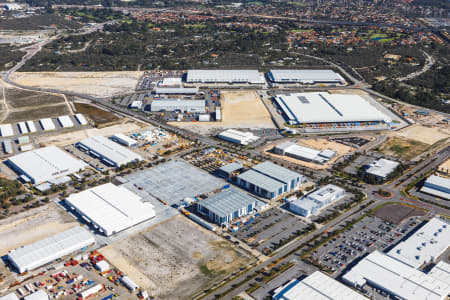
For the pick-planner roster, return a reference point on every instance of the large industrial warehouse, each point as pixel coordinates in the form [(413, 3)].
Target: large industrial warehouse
[(324, 111), (225, 206), (425, 245), (270, 180), (305, 76), (398, 279), (225, 76), (35, 255), (110, 208), (108, 151), (191, 106), (317, 286), (45, 164), (312, 203)]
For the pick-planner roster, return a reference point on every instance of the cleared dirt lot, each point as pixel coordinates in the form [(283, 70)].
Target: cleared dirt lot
[(318, 144), (100, 84), (50, 111), (240, 109), (175, 259), (72, 137), (18, 98), (427, 135), (99, 116), (403, 148), (33, 225)]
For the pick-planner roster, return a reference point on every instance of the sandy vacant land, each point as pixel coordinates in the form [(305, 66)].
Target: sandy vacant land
[(18, 98), (316, 143), (175, 259), (33, 225), (50, 111), (75, 136), (240, 109), (100, 84), (403, 148), (427, 135)]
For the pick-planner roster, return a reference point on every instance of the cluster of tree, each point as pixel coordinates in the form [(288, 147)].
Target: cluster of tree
[(8, 190)]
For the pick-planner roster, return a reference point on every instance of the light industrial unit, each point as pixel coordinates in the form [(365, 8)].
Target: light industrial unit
[(45, 164), (321, 110), (22, 127), (398, 279), (227, 170), (6, 130), (225, 76), (227, 205), (124, 140), (304, 153), (317, 286), (174, 181), (317, 200), (192, 106), (7, 147), (380, 169), (110, 208), (81, 119), (39, 295), (31, 126), (47, 124), (65, 121), (305, 76), (10, 296), (238, 137), (437, 186), (425, 245), (108, 151), (269, 180), (35, 255)]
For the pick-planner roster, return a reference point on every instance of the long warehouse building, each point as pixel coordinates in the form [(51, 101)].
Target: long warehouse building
[(437, 186), (110, 208), (305, 76), (304, 153), (317, 286), (225, 76), (108, 151), (191, 106), (45, 164), (35, 255), (321, 110), (238, 137)]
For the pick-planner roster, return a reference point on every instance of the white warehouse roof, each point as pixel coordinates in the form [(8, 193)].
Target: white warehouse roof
[(65, 121), (11, 296), (39, 295), (31, 126), (238, 137), (317, 286), (110, 151), (305, 76), (425, 245), (225, 76), (111, 208), (382, 167), (47, 124), (397, 278), (318, 107), (6, 130), (45, 164), (124, 140), (437, 186), (81, 119), (35, 255)]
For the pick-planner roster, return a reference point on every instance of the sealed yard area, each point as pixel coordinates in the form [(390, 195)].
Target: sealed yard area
[(427, 135), (98, 84), (395, 213), (403, 148), (17, 98), (240, 109), (175, 259)]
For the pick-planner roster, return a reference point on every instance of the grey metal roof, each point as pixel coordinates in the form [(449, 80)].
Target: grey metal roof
[(44, 251), (262, 181), (250, 76), (227, 202), (10, 296), (305, 75), (231, 167), (178, 103), (279, 173), (164, 90), (39, 295)]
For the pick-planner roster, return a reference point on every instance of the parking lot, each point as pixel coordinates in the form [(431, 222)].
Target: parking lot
[(270, 230), (354, 141), (369, 234), (92, 161)]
